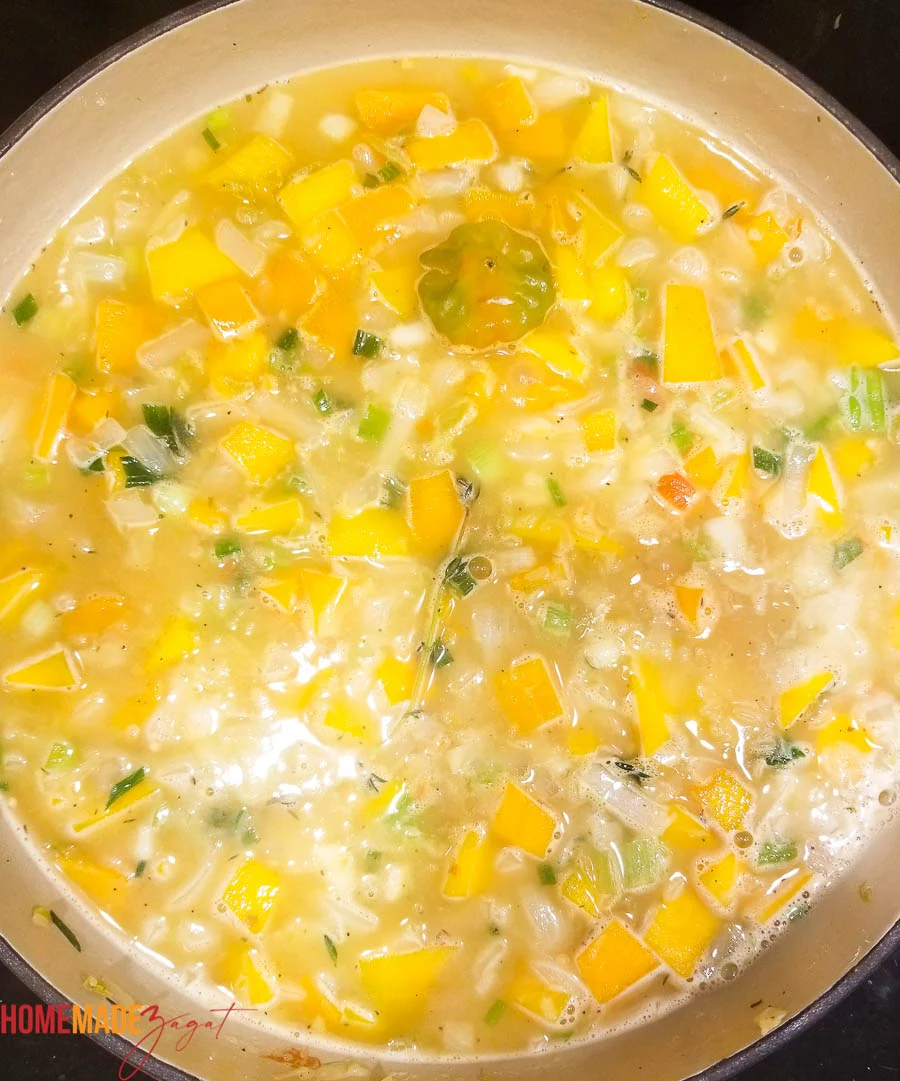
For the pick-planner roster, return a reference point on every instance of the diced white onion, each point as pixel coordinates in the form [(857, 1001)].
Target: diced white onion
[(164, 350), (623, 798), (634, 252), (245, 255), (636, 215), (364, 155), (559, 90), (170, 498), (442, 183), (690, 263), (103, 269), (410, 335), (37, 620), (509, 176), (129, 511), (142, 444), (109, 433), (92, 231), (275, 113), (434, 122), (81, 452), (270, 232), (337, 127)]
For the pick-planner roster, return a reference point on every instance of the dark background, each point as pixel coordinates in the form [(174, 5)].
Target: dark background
[(852, 49)]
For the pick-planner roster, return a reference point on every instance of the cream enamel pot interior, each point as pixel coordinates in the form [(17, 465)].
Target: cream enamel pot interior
[(58, 155)]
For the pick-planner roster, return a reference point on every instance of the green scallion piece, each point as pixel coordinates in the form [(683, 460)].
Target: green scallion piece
[(168, 424), (366, 344), (211, 141), (374, 424), (776, 852), (226, 547), (370, 180), (96, 466), (66, 931), (496, 1011), (389, 171), (137, 475), (332, 949), (556, 493), (218, 120), (25, 310), (755, 309), (681, 437), (641, 295), (458, 578), (322, 402), (847, 551), (119, 789), (649, 405), (557, 619), (393, 492), (546, 874), (767, 461), (61, 757), (439, 656), (289, 340)]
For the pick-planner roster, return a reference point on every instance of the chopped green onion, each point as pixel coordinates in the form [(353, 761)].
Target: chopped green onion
[(77, 368), (63, 928), (556, 493), (393, 492), (25, 310), (98, 466), (119, 789), (496, 1010), (767, 461), (847, 551), (641, 294), (370, 180), (226, 547), (649, 405), (643, 862), (557, 619), (373, 859), (137, 475), (61, 757), (817, 428), (322, 402), (776, 852), (439, 656), (332, 949), (756, 309), (458, 577), (647, 358), (487, 463), (865, 400), (783, 753), (289, 340), (467, 490), (732, 210), (238, 821), (37, 474), (389, 171), (218, 120), (141, 867), (546, 874), (366, 344), (681, 437), (374, 424), (168, 424), (211, 141)]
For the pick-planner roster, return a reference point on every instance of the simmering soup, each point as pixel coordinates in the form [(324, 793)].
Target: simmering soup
[(449, 594)]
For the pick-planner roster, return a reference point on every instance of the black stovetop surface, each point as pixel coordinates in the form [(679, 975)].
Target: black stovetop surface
[(849, 47)]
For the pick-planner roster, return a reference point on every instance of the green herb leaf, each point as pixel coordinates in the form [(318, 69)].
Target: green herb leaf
[(366, 344), (458, 578), (226, 547), (467, 490), (322, 402), (634, 174), (767, 461), (649, 406), (289, 340), (776, 852), (847, 551), (66, 931), (633, 772), (140, 868), (732, 210), (546, 874), (393, 492), (389, 171), (496, 1011), (25, 310), (332, 949), (439, 656), (374, 424), (681, 437), (212, 142), (556, 493), (783, 753), (119, 789)]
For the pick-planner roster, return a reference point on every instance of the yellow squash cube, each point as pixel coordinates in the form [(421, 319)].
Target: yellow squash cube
[(682, 931), (53, 414), (523, 823), (527, 694), (436, 513), (322, 590), (843, 731), (593, 143), (796, 700), (228, 310), (781, 892), (178, 641), (469, 871), (766, 236), (398, 984), (234, 364), (373, 217), (822, 487), (469, 143), (57, 670), (251, 894), (747, 363), (378, 531), (599, 430), (396, 285), (672, 201), (510, 105), (119, 328), (273, 518), (396, 677), (308, 197), (725, 800), (614, 961), (720, 879), (389, 111), (241, 971), (258, 168), (260, 452), (558, 353), (530, 994), (689, 348), (352, 719), (609, 293), (186, 265), (649, 705), (685, 833), (102, 884)]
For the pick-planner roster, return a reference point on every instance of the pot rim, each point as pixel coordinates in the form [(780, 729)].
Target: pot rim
[(882, 950)]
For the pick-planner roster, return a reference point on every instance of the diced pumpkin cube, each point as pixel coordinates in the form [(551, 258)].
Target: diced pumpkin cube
[(352, 719), (331, 245), (396, 286), (436, 513), (469, 871), (558, 353), (614, 961), (852, 457), (207, 513), (396, 677), (309, 196), (389, 111), (134, 711), (649, 705), (522, 822), (703, 468), (672, 201), (469, 143), (274, 518), (685, 833), (102, 884), (598, 234), (17, 588), (766, 236), (847, 341), (94, 615), (822, 487), (688, 599), (747, 364), (178, 641), (142, 790), (796, 700), (681, 932), (545, 141), (186, 265), (398, 984), (53, 414), (119, 328), (258, 168), (593, 143), (725, 800), (781, 892), (527, 694), (231, 365), (609, 293), (291, 284), (581, 740), (843, 731), (260, 452), (599, 430), (373, 217), (689, 347), (323, 591), (88, 410), (57, 670), (241, 971), (529, 993), (228, 309), (251, 894), (378, 531), (720, 879), (509, 104)]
